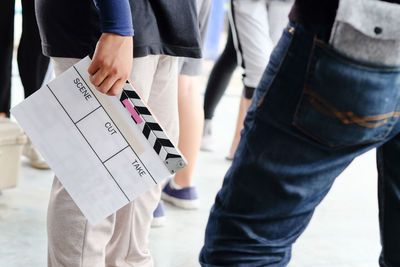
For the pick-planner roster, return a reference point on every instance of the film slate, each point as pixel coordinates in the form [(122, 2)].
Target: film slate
[(106, 151)]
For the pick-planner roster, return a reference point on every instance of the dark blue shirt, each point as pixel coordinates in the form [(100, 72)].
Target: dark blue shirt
[(71, 28), (115, 16)]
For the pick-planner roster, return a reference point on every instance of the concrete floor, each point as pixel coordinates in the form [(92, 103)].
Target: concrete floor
[(342, 233)]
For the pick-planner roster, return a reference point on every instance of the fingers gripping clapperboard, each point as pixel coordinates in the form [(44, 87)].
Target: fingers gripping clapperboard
[(105, 150)]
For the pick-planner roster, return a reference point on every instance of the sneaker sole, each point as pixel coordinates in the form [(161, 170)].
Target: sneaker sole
[(158, 222), (181, 203), (39, 165), (207, 146)]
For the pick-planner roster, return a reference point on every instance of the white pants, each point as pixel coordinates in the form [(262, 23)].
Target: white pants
[(256, 27), (121, 239)]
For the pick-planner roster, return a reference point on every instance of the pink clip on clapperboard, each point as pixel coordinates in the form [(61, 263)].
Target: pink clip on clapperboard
[(151, 129)]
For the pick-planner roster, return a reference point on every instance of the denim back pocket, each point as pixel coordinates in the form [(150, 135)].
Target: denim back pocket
[(346, 102)]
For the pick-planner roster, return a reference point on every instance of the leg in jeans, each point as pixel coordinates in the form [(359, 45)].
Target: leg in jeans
[(32, 64), (6, 51), (282, 170), (121, 239)]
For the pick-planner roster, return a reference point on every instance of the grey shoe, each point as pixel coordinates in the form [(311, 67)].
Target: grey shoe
[(35, 159)]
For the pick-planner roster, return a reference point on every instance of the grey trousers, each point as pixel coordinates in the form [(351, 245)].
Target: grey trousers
[(193, 66), (121, 239)]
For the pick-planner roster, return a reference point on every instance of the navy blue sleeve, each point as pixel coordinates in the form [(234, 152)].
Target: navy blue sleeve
[(115, 16)]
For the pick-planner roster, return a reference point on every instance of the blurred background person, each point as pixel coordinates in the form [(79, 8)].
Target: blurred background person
[(255, 27), (179, 191), (32, 64)]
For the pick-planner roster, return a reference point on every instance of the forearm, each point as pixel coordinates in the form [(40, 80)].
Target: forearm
[(115, 16), (112, 59)]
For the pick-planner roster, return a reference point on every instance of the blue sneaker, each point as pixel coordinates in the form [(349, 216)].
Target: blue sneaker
[(158, 215), (185, 198)]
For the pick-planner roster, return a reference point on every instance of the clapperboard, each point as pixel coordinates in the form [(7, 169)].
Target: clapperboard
[(151, 129), (105, 150)]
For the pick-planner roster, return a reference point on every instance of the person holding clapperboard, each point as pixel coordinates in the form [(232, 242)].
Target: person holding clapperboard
[(72, 29)]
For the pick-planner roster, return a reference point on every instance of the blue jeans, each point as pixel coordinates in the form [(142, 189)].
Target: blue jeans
[(313, 112)]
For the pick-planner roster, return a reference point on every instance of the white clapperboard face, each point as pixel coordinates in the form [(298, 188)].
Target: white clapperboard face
[(105, 150)]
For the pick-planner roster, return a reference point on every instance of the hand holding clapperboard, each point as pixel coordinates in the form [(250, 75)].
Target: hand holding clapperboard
[(105, 150)]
